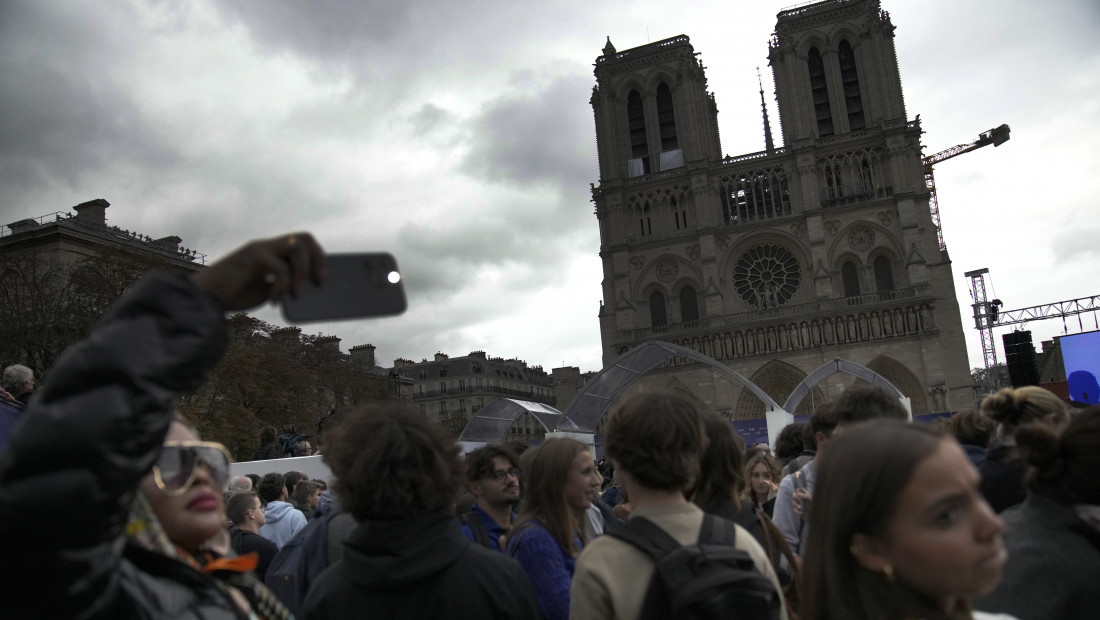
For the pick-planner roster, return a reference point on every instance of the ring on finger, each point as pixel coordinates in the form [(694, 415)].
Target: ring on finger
[(292, 240)]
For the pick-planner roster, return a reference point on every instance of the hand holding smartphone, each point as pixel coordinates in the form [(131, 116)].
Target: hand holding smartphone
[(357, 286)]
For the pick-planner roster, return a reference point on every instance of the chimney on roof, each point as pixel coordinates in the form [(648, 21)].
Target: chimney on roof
[(93, 211), (169, 243), (23, 225), (439, 357), (328, 342), (363, 354), (286, 334)]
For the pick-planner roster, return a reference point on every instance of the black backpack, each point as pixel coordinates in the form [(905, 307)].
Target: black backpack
[(300, 561), (710, 579)]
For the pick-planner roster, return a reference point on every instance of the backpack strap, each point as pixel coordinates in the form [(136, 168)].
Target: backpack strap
[(647, 536), (655, 542), (481, 535), (717, 531)]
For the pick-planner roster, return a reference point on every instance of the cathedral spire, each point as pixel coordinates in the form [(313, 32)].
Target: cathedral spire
[(769, 146), (609, 49)]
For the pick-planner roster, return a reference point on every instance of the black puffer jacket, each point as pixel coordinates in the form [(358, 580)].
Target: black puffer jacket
[(70, 474), (421, 567)]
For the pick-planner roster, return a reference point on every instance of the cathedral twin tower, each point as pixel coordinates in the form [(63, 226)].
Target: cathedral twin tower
[(776, 262)]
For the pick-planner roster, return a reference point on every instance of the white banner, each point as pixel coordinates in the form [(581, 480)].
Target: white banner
[(311, 466)]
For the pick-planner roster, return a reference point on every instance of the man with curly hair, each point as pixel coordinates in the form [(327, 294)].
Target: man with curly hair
[(492, 477), (399, 476)]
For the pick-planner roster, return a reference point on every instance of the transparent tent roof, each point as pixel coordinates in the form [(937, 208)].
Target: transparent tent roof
[(492, 422), (604, 389), (831, 368)]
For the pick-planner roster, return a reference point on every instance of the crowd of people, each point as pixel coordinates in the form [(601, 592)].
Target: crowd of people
[(858, 513)]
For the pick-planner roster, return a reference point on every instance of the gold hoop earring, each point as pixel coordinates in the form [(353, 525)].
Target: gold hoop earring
[(888, 572)]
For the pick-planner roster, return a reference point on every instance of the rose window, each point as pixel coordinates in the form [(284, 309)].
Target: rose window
[(766, 276)]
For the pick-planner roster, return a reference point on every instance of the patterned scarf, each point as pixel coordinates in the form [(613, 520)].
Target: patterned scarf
[(232, 575)]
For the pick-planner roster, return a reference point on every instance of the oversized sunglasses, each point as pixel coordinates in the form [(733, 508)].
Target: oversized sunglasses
[(174, 470)]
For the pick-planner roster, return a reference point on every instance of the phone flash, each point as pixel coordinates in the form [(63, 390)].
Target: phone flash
[(394, 277)]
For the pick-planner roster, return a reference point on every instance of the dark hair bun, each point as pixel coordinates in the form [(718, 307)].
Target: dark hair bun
[(1002, 407), (1039, 446)]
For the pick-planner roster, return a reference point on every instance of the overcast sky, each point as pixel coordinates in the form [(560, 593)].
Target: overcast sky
[(458, 136)]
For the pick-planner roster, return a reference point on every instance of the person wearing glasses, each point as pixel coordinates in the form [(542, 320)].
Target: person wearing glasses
[(492, 476), (110, 505)]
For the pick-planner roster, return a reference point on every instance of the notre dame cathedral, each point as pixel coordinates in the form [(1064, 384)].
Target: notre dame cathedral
[(776, 262)]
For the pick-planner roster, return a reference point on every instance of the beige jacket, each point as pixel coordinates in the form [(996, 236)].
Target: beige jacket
[(612, 575)]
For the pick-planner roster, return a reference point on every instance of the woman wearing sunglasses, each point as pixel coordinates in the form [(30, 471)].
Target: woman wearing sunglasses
[(108, 502)]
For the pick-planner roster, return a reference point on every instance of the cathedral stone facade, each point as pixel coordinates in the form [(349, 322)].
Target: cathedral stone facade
[(776, 262)]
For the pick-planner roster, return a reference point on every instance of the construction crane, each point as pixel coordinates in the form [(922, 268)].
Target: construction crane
[(988, 314), (996, 136)]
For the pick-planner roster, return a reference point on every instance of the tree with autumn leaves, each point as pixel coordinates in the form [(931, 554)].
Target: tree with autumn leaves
[(49, 299), (274, 377)]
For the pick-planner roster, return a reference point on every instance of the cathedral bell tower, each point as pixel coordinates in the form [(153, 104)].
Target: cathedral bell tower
[(835, 70), (775, 262), (653, 111)]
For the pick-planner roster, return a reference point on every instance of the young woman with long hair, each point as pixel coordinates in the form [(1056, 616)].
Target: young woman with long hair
[(762, 474), (898, 529), (560, 479), (719, 486)]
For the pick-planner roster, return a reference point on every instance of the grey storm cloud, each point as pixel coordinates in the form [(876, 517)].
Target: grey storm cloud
[(428, 119), (62, 116), (536, 137), (540, 150), (458, 252), (341, 31), (459, 136)]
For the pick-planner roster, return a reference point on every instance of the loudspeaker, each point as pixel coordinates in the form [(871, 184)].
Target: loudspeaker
[(1020, 359)]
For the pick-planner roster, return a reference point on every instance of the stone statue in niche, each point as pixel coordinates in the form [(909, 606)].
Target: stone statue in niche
[(939, 398)]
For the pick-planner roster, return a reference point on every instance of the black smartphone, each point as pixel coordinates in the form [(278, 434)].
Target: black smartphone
[(358, 285)]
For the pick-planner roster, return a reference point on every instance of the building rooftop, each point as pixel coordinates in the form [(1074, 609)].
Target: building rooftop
[(90, 218)]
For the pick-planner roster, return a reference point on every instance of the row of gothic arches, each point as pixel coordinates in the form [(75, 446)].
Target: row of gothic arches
[(855, 280), (688, 306)]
